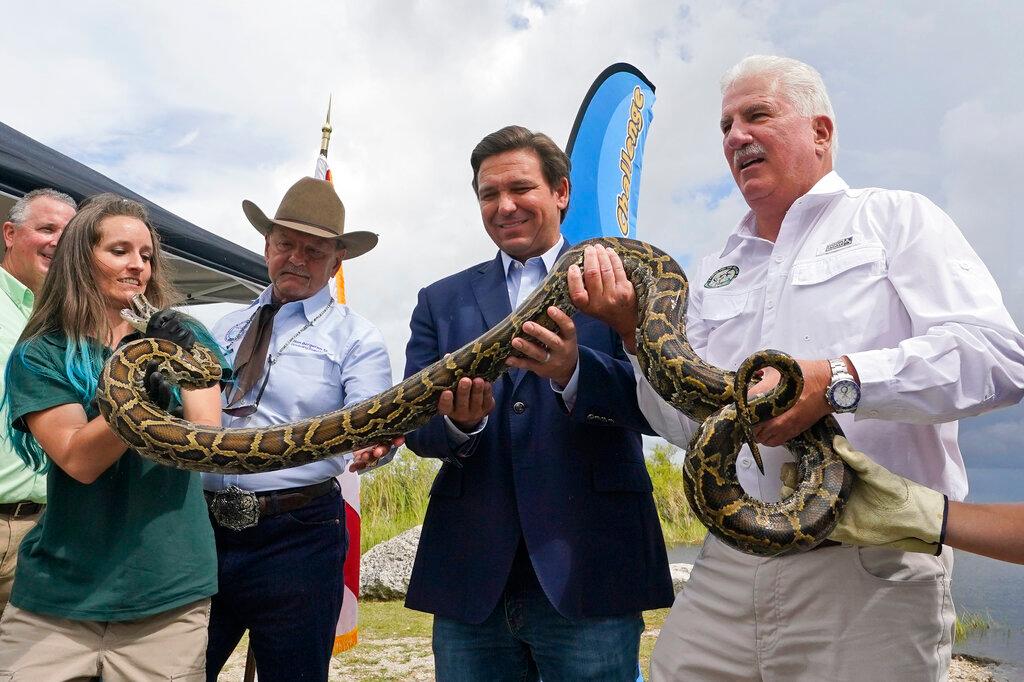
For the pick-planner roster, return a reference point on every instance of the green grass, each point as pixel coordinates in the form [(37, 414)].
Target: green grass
[(968, 623), (394, 498), (678, 523), (653, 622), (382, 619)]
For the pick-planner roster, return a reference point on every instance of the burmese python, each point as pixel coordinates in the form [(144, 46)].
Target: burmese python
[(711, 396)]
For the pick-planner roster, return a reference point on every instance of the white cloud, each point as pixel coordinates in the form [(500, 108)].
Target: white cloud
[(188, 139), (982, 158)]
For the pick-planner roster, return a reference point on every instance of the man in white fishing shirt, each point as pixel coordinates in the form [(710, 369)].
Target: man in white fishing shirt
[(900, 330)]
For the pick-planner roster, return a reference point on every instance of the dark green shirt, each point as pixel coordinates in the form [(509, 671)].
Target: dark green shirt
[(135, 542)]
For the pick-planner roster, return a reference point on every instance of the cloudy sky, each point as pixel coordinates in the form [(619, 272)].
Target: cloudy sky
[(197, 105)]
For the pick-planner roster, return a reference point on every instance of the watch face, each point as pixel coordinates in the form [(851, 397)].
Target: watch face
[(845, 394)]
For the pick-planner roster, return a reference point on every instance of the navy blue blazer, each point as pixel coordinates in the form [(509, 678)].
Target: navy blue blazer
[(573, 485)]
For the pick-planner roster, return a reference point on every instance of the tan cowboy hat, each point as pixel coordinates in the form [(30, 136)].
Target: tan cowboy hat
[(312, 206)]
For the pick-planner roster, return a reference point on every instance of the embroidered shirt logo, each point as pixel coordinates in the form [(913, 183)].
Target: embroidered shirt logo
[(839, 244), (311, 346), (721, 277), (236, 331)]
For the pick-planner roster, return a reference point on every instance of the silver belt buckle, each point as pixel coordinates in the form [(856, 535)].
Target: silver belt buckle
[(235, 508)]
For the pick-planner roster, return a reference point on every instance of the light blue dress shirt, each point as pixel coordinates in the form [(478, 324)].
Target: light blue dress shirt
[(340, 360)]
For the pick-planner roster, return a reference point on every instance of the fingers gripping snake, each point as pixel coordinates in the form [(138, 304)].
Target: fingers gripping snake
[(715, 398)]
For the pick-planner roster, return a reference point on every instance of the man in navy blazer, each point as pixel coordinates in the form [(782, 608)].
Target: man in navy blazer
[(541, 544)]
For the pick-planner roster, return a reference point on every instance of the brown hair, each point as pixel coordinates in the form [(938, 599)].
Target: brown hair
[(553, 161), (70, 300)]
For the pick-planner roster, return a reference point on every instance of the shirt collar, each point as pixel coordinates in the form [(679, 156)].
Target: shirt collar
[(310, 306), (19, 294), (828, 185), (549, 257)]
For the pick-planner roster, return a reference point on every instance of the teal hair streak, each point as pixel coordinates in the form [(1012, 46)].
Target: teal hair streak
[(83, 363)]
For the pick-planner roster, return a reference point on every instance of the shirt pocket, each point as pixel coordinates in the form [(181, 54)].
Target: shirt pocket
[(311, 379), (725, 313), (841, 301), (869, 259)]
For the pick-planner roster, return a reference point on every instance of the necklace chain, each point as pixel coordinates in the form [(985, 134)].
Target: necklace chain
[(323, 311), (271, 359)]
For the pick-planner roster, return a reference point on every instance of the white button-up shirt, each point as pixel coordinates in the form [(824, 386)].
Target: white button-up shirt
[(884, 277), (340, 360)]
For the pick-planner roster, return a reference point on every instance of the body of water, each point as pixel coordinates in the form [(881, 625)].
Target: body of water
[(989, 587), (980, 585), (994, 589)]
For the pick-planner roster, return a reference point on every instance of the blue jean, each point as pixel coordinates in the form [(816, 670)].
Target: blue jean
[(283, 581), (525, 639)]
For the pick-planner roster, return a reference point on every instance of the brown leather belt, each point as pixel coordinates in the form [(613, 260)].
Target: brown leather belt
[(237, 509), (18, 510)]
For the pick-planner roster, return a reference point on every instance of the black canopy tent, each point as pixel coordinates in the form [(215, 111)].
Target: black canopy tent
[(207, 268)]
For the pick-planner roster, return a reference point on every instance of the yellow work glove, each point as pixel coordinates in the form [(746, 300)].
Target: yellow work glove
[(887, 510)]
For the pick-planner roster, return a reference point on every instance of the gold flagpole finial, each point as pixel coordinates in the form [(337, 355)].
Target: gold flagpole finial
[(325, 140)]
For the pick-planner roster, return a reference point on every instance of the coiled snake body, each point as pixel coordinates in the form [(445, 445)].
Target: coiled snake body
[(713, 397)]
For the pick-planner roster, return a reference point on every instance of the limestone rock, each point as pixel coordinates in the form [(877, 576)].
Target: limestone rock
[(680, 574), (384, 570)]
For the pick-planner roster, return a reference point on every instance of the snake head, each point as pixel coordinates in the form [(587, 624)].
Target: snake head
[(140, 312)]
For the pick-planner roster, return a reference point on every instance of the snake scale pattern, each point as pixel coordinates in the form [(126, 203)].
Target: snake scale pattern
[(713, 397)]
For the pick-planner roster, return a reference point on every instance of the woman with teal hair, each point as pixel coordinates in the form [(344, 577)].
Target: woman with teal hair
[(115, 579)]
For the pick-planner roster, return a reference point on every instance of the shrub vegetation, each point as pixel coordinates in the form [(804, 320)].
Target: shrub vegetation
[(393, 498)]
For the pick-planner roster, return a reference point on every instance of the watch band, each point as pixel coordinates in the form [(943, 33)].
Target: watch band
[(839, 370), (841, 375)]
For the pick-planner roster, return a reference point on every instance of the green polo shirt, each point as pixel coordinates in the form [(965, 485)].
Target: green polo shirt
[(17, 481), (134, 543)]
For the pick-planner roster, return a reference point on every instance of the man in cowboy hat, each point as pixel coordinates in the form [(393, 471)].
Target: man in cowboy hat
[(296, 353)]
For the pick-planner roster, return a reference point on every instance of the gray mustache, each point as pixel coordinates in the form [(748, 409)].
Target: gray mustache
[(751, 149)]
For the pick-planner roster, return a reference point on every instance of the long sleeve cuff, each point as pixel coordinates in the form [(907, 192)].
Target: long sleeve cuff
[(457, 437), (874, 371), (568, 393)]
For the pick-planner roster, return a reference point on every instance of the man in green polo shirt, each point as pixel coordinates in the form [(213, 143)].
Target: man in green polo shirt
[(30, 237)]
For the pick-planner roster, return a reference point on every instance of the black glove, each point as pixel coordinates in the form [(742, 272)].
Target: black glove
[(169, 325), (159, 389)]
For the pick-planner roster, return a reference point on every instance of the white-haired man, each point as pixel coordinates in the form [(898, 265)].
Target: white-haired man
[(908, 333), (31, 232)]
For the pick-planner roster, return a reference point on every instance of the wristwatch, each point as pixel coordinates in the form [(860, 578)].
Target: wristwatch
[(843, 393)]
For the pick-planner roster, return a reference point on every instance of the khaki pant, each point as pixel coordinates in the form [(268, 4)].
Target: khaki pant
[(837, 613), (12, 532), (167, 646)]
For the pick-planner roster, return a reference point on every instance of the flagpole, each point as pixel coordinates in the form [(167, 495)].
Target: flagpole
[(323, 172), (348, 619), (325, 139)]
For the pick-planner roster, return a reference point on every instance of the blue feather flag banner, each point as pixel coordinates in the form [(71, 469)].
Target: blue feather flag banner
[(606, 148)]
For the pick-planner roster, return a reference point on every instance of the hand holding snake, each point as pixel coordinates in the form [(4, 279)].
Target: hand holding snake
[(550, 354), (715, 398), (809, 408)]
